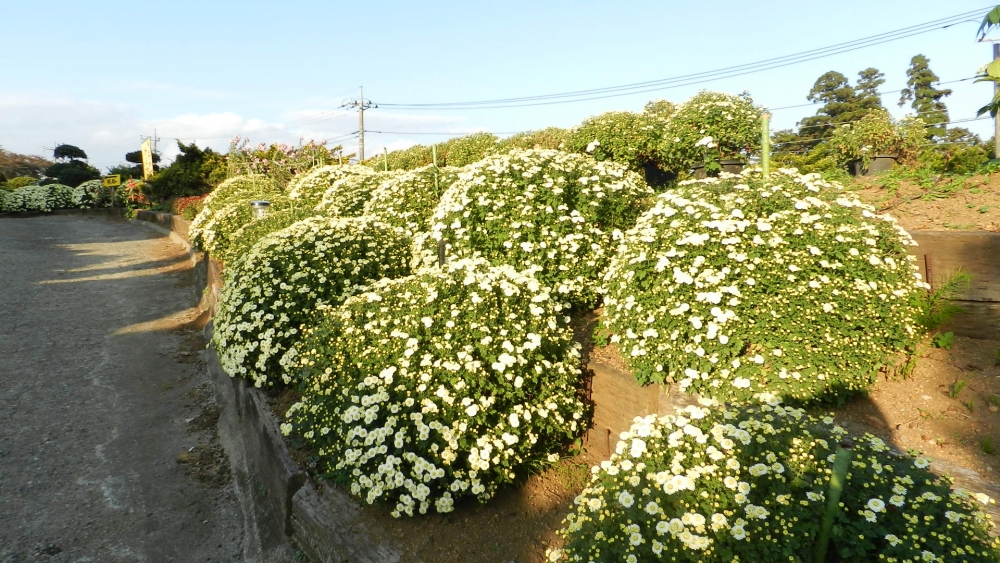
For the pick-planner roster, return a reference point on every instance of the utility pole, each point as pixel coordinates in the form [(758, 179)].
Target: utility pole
[(361, 104)]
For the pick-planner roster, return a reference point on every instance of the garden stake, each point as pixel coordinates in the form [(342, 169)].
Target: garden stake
[(841, 462), (765, 144), (441, 254), (434, 155), (385, 159)]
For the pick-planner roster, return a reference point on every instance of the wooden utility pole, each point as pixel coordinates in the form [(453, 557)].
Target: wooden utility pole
[(362, 105)]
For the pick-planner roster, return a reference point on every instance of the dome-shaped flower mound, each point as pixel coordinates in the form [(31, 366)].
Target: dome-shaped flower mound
[(310, 187), (237, 190), (553, 212), (716, 485), (91, 194), (38, 198), (710, 126), (407, 200), (231, 219), (244, 237), (444, 384), (743, 285), (276, 287), (346, 196)]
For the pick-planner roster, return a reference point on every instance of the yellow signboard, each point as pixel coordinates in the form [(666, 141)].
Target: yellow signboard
[(147, 160), (112, 181)]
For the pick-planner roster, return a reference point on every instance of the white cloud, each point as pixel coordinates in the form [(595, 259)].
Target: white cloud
[(32, 124)]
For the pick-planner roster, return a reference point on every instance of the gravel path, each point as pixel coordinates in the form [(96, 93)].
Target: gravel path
[(107, 427)]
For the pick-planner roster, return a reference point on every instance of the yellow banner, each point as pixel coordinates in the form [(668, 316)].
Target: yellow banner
[(112, 181), (147, 160)]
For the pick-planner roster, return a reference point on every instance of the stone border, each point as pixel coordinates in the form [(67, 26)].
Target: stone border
[(324, 522)]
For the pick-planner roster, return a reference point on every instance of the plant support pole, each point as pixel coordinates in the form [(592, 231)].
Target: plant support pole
[(361, 126), (996, 119), (385, 158), (434, 156), (765, 144), (841, 462)]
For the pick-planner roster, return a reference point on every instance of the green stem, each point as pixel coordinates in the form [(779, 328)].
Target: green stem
[(841, 462)]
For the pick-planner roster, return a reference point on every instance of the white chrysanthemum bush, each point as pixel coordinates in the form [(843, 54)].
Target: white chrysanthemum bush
[(445, 384), (309, 188), (740, 285), (224, 201), (718, 485), (555, 213), (347, 195), (274, 289), (41, 198), (408, 199), (244, 237)]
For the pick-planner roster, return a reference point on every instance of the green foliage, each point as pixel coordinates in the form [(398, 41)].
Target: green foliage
[(135, 157), (936, 306), (988, 446), (548, 138), (125, 171), (20, 182), (632, 139), (925, 98), (68, 152), (842, 103), (44, 198), (959, 151), (72, 172), (448, 383), (738, 286), (660, 110), (709, 127), (725, 485), (275, 288), (194, 172), (408, 200), (552, 212), (411, 158), (92, 193), (877, 133), (943, 340), (462, 151), (959, 384)]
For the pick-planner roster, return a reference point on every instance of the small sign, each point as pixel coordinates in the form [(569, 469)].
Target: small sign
[(112, 181)]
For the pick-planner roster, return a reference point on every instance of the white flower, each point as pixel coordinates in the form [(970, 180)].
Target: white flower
[(626, 499)]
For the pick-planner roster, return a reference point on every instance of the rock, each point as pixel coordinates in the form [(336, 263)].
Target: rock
[(875, 422)]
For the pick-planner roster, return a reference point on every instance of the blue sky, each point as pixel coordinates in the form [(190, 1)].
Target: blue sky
[(100, 74)]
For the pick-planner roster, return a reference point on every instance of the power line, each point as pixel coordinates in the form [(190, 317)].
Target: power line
[(701, 77)]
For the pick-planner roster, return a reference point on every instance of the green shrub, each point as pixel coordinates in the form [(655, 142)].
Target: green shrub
[(28, 198), (632, 139), (709, 127), (407, 200), (462, 151), (721, 485), (346, 196), (92, 193), (548, 138), (20, 182), (61, 196), (232, 218), (278, 285), (448, 383), (737, 286), (552, 212), (878, 133)]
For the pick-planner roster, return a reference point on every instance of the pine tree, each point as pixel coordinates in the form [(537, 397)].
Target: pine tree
[(925, 98), (866, 89), (842, 103)]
